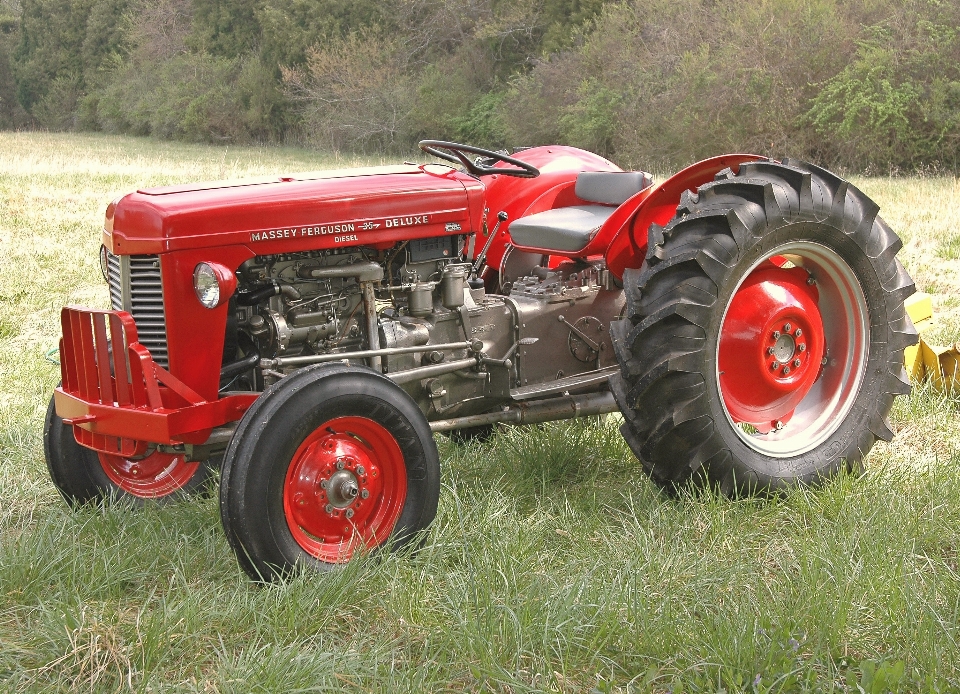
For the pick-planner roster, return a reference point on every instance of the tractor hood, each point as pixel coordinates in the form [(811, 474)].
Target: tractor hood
[(350, 207)]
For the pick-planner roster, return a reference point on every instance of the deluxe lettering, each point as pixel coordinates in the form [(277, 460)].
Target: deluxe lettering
[(408, 221)]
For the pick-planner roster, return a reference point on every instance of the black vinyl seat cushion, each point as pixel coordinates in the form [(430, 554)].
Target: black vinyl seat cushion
[(566, 229), (570, 229)]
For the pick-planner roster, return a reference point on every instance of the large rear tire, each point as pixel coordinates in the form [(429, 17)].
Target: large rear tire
[(330, 461), (82, 475), (763, 345)]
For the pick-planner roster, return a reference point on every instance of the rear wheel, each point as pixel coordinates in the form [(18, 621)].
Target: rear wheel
[(764, 339), (330, 461), (82, 475)]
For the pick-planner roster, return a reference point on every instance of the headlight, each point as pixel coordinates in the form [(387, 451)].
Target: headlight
[(103, 264), (213, 284)]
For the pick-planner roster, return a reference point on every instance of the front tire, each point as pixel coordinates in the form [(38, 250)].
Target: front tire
[(82, 475), (330, 461), (763, 345)]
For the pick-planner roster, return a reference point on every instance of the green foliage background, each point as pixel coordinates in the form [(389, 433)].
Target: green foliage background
[(869, 85)]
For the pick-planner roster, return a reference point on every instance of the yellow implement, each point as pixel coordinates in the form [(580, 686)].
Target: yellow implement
[(940, 364)]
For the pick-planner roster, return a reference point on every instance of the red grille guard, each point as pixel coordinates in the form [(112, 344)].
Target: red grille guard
[(119, 401)]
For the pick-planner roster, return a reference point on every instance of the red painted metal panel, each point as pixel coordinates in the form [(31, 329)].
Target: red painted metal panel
[(195, 333), (85, 359), (628, 248), (120, 361), (102, 357), (307, 212), (166, 426)]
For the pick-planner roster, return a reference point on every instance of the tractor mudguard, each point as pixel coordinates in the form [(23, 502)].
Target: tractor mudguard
[(656, 205)]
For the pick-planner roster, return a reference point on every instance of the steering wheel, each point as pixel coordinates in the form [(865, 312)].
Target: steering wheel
[(457, 153)]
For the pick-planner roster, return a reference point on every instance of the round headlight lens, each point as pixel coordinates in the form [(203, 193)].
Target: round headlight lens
[(207, 285), (213, 283)]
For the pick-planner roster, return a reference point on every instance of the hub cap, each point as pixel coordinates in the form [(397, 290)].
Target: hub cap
[(793, 349), (345, 488), (155, 475)]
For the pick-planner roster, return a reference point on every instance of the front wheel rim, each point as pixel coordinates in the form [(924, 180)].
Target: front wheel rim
[(842, 312), (155, 475), (345, 489)]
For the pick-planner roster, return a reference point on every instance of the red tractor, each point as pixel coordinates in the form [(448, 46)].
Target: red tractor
[(308, 334)]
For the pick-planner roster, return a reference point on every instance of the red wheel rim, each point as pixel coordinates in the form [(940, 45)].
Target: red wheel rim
[(155, 475), (344, 489), (771, 345), (793, 349)]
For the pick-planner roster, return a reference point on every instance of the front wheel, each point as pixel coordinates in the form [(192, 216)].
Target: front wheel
[(764, 339), (328, 462), (82, 475)]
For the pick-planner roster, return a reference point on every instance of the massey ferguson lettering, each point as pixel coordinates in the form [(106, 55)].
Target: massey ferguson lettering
[(303, 232), (341, 232)]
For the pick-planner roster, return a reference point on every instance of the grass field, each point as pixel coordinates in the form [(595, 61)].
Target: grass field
[(554, 565)]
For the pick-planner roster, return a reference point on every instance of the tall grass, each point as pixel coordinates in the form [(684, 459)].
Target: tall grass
[(554, 565)]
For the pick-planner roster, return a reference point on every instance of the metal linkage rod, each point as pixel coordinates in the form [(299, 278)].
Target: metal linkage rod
[(362, 354), (563, 407)]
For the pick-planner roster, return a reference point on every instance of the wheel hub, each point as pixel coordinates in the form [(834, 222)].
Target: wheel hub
[(784, 348), (344, 488), (771, 345)]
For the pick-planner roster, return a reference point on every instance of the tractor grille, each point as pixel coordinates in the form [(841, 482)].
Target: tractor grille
[(135, 287), (116, 284)]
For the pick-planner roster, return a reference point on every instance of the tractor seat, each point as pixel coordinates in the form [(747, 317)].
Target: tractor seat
[(567, 230)]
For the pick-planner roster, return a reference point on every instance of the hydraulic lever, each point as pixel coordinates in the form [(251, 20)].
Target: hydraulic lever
[(501, 217)]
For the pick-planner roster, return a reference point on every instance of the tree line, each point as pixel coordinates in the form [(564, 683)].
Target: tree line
[(867, 85)]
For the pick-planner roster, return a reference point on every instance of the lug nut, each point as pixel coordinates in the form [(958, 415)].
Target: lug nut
[(802, 347), (770, 350), (324, 483), (365, 493), (349, 513), (775, 365), (823, 362), (360, 470), (328, 508), (786, 370), (799, 332), (776, 334), (340, 464), (796, 363), (787, 328)]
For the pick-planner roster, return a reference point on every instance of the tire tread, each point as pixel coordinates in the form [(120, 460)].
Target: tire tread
[(673, 296)]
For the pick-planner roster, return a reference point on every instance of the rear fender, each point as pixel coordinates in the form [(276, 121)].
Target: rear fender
[(629, 225)]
